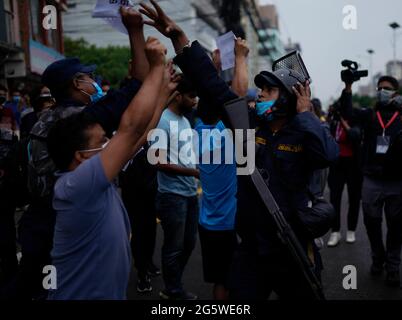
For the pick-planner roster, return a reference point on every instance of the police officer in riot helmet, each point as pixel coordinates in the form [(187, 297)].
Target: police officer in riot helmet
[(292, 144), (278, 99)]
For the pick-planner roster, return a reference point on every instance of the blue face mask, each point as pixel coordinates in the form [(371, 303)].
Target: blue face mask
[(264, 109), (97, 95), (16, 99)]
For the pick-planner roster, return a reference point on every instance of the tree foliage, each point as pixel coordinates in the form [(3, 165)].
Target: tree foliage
[(363, 101), (111, 61)]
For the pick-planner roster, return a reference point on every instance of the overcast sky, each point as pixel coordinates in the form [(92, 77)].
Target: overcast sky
[(318, 26)]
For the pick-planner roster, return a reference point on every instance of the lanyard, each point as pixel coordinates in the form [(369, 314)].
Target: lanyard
[(384, 127)]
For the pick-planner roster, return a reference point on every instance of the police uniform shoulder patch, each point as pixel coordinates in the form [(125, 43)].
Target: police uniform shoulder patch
[(290, 148), (260, 140)]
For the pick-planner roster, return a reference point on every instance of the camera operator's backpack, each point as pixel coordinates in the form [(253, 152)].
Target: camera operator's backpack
[(41, 168)]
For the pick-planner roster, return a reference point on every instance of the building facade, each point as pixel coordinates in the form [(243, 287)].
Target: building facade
[(252, 37), (198, 18), (271, 46), (203, 20), (26, 46), (292, 46), (394, 68)]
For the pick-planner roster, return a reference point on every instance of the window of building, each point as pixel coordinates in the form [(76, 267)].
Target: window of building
[(35, 24), (53, 36), (11, 22)]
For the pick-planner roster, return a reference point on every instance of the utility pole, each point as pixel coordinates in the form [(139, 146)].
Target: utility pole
[(371, 52), (394, 26)]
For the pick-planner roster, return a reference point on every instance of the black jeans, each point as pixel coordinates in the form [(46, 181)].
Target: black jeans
[(35, 234), (378, 197), (179, 219), (255, 277), (345, 171), (140, 205), (8, 258)]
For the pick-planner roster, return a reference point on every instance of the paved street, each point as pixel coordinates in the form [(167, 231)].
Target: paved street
[(335, 259)]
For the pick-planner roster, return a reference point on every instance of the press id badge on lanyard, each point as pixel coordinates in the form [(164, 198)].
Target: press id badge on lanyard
[(383, 141)]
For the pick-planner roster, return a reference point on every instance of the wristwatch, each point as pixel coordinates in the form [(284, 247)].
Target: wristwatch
[(188, 45)]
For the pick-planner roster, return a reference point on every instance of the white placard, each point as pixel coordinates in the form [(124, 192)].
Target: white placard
[(108, 10), (226, 46)]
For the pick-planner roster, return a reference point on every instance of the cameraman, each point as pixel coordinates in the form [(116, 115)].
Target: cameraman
[(347, 169), (382, 184)]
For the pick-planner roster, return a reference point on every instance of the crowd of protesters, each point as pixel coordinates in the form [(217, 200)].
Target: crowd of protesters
[(74, 157)]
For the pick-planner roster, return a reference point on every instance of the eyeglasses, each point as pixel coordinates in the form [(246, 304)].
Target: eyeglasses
[(97, 149), (385, 88), (80, 75)]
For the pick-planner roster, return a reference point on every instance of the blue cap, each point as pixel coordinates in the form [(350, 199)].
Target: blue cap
[(62, 71)]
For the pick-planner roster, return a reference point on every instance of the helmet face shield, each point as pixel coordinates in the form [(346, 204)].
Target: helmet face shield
[(294, 62)]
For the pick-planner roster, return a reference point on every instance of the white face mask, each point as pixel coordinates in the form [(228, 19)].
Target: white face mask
[(384, 96), (96, 149)]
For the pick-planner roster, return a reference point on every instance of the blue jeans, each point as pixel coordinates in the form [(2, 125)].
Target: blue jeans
[(179, 220)]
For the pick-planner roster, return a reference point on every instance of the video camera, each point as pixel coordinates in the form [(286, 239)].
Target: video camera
[(352, 74)]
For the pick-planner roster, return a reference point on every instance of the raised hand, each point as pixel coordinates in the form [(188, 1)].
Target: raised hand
[(131, 18), (155, 52), (303, 94), (240, 77), (241, 48), (160, 20), (216, 59), (171, 78)]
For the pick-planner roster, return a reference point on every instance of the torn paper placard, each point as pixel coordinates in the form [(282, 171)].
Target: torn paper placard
[(108, 10), (117, 24)]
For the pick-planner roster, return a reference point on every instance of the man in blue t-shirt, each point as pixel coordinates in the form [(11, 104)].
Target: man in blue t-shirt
[(91, 251), (218, 204)]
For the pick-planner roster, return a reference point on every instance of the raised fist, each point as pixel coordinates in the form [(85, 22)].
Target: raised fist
[(155, 52), (241, 48)]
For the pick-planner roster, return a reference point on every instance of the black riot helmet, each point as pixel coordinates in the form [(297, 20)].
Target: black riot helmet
[(285, 80)]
